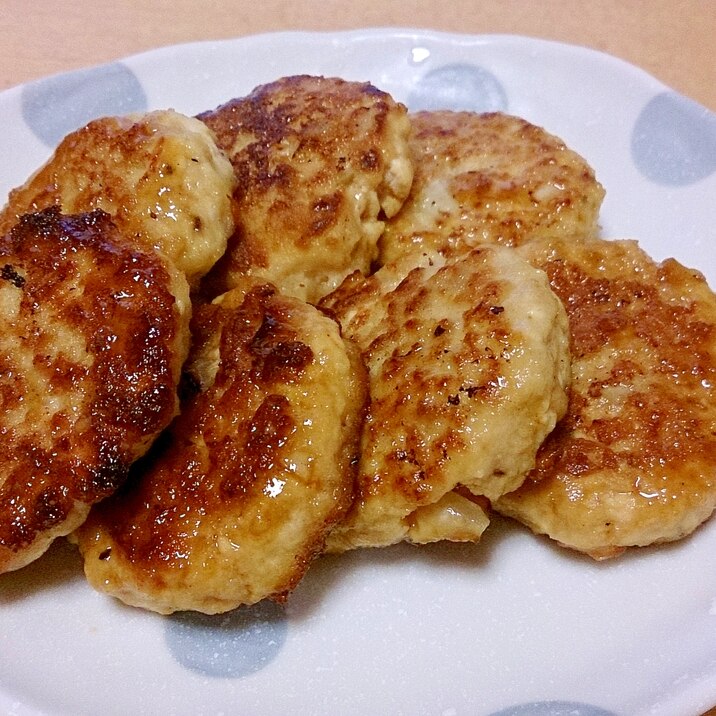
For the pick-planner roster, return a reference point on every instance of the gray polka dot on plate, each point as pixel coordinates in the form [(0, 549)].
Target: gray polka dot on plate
[(55, 106), (553, 708), (229, 645), (674, 140), (458, 87)]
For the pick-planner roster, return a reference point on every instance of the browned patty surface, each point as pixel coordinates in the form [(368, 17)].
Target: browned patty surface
[(320, 162), (241, 492), (490, 177), (91, 346), (468, 363), (159, 175), (634, 460)]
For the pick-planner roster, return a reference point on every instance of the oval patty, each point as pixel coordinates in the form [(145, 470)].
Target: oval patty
[(92, 339)]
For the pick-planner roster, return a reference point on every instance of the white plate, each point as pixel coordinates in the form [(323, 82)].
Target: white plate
[(513, 625)]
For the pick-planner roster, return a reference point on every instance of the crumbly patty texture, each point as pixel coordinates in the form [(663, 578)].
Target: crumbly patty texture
[(159, 175), (320, 162), (634, 460), (238, 497), (490, 178), (92, 340), (468, 364)]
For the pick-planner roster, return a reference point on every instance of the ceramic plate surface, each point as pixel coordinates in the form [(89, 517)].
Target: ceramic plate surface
[(512, 626)]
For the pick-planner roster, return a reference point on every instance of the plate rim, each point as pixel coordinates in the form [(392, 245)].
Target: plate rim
[(374, 33)]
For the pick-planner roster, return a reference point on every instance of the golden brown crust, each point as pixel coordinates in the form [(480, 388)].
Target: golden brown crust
[(318, 162), (159, 175), (238, 498), (490, 177), (91, 347), (466, 356), (634, 460)]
